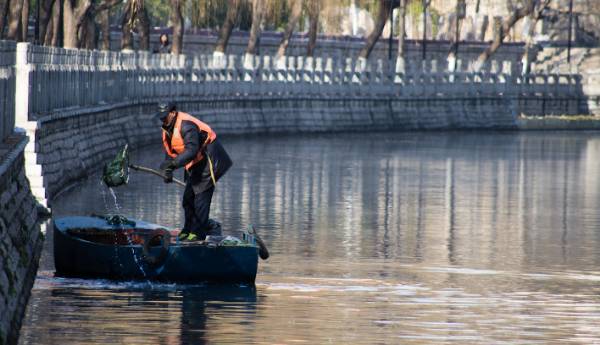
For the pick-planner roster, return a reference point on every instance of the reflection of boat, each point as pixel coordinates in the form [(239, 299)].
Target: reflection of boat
[(119, 248)]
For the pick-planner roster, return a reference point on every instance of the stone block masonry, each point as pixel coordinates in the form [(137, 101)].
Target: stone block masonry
[(20, 237), (72, 144)]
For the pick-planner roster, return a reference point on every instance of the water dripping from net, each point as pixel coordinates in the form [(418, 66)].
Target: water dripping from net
[(127, 236)]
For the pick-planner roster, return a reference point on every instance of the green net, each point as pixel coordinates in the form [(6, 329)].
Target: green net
[(116, 172)]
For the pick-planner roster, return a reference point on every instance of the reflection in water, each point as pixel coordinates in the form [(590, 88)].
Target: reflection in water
[(422, 238)]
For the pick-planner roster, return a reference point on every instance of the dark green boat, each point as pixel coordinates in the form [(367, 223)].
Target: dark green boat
[(123, 249)]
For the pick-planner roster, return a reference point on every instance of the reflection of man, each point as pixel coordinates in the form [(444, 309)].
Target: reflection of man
[(192, 144), (200, 303)]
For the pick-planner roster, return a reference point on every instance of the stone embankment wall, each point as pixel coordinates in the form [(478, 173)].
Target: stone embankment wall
[(20, 236)]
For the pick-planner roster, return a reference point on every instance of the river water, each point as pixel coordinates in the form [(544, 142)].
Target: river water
[(375, 238)]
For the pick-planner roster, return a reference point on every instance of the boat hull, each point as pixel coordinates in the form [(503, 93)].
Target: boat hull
[(188, 263)]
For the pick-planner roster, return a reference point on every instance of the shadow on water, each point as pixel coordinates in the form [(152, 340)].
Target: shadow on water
[(76, 311)]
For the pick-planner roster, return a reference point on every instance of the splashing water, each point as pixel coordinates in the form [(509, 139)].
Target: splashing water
[(103, 193), (112, 192), (127, 236)]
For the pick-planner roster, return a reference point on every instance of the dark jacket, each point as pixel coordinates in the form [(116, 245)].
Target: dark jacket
[(199, 174), (163, 49)]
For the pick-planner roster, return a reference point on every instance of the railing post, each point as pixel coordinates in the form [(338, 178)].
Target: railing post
[(33, 170), (22, 86)]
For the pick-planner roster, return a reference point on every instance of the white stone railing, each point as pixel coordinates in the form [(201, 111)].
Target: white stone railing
[(63, 78)]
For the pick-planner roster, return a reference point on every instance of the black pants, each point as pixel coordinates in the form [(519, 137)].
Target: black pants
[(196, 207)]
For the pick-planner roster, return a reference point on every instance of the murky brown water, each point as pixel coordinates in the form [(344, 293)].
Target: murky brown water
[(383, 238)]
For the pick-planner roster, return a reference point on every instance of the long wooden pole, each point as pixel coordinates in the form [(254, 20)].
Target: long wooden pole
[(154, 172)]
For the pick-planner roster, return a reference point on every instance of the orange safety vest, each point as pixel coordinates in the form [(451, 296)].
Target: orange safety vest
[(177, 146)]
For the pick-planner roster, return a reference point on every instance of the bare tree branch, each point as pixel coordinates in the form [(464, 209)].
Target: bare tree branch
[(382, 17), (503, 31)]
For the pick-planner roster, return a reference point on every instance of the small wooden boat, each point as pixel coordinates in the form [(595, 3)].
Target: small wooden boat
[(119, 248)]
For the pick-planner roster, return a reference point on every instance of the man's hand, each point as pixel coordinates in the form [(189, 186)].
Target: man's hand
[(167, 168), (168, 176)]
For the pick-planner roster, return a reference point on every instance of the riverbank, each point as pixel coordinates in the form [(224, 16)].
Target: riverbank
[(570, 122)]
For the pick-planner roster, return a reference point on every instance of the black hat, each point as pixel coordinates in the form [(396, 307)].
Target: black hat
[(164, 108)]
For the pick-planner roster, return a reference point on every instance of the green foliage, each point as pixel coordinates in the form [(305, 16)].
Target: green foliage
[(159, 12), (435, 21), (415, 8), (277, 15), (210, 14)]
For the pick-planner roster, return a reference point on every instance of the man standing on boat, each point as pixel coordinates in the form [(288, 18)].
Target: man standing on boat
[(192, 144)]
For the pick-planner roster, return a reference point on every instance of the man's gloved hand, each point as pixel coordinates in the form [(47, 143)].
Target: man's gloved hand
[(168, 175), (167, 168), (167, 164)]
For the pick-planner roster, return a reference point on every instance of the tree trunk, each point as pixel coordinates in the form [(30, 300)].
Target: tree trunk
[(104, 26), (534, 17), (73, 18), (382, 17), (45, 15), (53, 39), (258, 8), (69, 25), (14, 21), (102, 17), (177, 20), (87, 33), (143, 27), (314, 6), (505, 27), (481, 29), (25, 20), (3, 14), (400, 61), (126, 37), (225, 33), (46, 40), (453, 54), (289, 29)]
